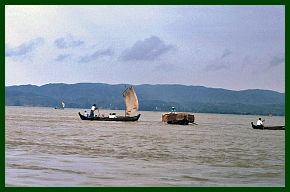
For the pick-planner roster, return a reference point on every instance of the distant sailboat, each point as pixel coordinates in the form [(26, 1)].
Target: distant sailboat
[(61, 107), (132, 106)]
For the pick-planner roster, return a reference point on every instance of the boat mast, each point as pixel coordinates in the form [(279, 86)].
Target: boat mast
[(125, 104)]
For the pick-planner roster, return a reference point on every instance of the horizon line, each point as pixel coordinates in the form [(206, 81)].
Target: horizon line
[(147, 84)]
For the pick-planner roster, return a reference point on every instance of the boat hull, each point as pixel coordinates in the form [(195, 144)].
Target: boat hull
[(268, 127), (179, 122), (118, 118)]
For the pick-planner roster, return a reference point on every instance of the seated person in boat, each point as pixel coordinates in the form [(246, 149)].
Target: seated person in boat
[(260, 123), (86, 114), (112, 115), (92, 113)]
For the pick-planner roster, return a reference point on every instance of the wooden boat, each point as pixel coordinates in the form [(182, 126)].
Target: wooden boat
[(268, 127), (132, 106), (179, 122), (178, 118), (117, 118)]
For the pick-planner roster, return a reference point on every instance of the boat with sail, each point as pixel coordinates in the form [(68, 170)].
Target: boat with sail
[(61, 107), (132, 106)]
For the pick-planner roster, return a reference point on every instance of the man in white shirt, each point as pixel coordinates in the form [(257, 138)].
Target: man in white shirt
[(112, 115), (92, 113), (260, 123)]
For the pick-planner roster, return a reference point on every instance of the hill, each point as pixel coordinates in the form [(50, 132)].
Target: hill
[(151, 98)]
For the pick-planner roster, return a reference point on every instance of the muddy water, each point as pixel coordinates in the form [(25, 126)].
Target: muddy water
[(48, 147)]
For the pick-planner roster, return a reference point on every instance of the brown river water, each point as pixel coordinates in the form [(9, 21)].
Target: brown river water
[(48, 147)]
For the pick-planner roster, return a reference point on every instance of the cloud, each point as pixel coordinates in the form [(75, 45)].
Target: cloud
[(62, 57), (277, 61), (96, 55), (226, 53), (219, 63), (215, 67), (67, 42), (165, 67), (24, 48), (146, 50)]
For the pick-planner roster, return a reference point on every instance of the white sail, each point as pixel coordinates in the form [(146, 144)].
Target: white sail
[(63, 105), (131, 100)]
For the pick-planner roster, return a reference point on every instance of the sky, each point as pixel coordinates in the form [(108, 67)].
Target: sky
[(230, 47)]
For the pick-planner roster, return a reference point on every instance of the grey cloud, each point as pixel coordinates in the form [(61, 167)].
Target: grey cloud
[(67, 42), (24, 48), (215, 67), (96, 55), (226, 53), (219, 63), (197, 51), (62, 57), (146, 50), (165, 67), (277, 61)]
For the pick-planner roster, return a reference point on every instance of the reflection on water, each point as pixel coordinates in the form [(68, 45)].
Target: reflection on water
[(48, 147)]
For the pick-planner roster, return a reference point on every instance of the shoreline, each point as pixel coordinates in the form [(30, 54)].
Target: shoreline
[(154, 111)]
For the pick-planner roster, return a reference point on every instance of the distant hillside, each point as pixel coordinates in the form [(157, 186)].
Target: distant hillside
[(151, 98)]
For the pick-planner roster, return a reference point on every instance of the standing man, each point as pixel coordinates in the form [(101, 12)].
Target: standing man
[(173, 110), (92, 113)]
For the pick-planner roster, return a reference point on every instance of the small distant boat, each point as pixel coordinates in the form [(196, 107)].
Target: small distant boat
[(61, 107), (268, 127), (132, 106)]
